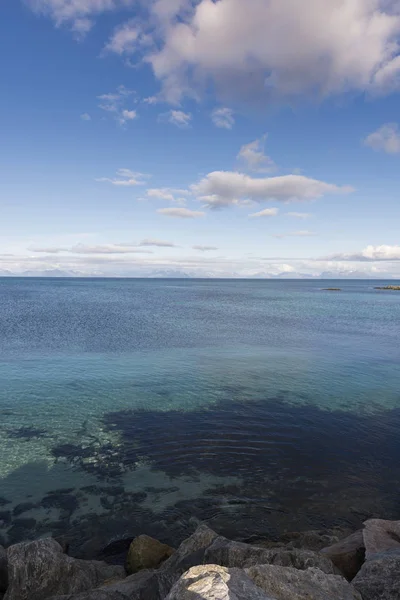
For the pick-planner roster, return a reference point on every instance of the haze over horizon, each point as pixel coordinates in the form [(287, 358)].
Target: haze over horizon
[(200, 138)]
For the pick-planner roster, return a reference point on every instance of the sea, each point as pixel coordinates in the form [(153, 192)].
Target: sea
[(133, 406)]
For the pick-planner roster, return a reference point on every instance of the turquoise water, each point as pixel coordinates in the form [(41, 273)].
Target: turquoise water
[(154, 404)]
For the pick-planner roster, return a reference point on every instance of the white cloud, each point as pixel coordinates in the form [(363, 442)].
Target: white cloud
[(48, 250), (108, 249), (205, 248), (86, 117), (386, 138), (158, 243), (115, 103), (371, 254), (160, 194), (299, 215), (96, 249), (125, 178), (127, 115), (76, 14), (258, 50), (267, 212), (168, 194), (124, 40), (303, 233), (151, 100), (223, 118), (181, 213), (178, 118), (253, 155), (225, 188)]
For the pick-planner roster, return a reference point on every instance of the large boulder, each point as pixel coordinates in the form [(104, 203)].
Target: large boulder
[(38, 570), (381, 536), (3, 570), (140, 586), (226, 553), (305, 540), (155, 584), (146, 553), (212, 582), (379, 578), (285, 583), (348, 555)]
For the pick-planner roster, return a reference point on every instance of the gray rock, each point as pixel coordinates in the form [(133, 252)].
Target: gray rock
[(212, 582), (285, 583), (379, 578), (155, 584), (38, 570), (146, 553), (140, 586), (380, 536), (3, 570), (226, 553), (313, 540), (348, 555)]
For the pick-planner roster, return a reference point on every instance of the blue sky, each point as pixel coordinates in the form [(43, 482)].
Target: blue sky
[(212, 138)]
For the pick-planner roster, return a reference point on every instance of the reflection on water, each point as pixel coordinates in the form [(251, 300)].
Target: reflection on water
[(146, 406)]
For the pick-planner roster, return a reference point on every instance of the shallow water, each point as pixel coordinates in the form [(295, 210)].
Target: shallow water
[(134, 406)]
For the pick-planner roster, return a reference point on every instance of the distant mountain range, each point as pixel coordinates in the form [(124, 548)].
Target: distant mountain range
[(176, 274)]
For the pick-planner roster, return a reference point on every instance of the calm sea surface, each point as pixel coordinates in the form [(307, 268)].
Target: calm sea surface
[(147, 406)]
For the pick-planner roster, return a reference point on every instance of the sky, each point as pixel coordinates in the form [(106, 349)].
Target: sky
[(205, 138)]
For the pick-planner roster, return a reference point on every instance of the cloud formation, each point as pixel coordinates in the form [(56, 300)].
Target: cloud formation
[(205, 248), (254, 157), (158, 243), (96, 249), (371, 254), (227, 188), (386, 138), (169, 194), (125, 178), (76, 14), (86, 117), (178, 118), (223, 118), (181, 213), (124, 39), (303, 233), (267, 212), (299, 215), (280, 49), (115, 103)]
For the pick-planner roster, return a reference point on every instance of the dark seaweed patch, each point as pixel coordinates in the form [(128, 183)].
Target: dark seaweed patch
[(27, 433)]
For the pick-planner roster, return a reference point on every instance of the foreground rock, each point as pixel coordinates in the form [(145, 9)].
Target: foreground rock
[(348, 555), (313, 540), (154, 584), (379, 578), (39, 570), (285, 583), (381, 536), (146, 553), (212, 582), (3, 570), (226, 553)]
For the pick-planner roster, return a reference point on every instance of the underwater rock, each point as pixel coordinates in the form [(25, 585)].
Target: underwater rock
[(146, 553)]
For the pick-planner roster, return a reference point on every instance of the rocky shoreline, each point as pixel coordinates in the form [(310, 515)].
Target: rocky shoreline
[(334, 564)]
